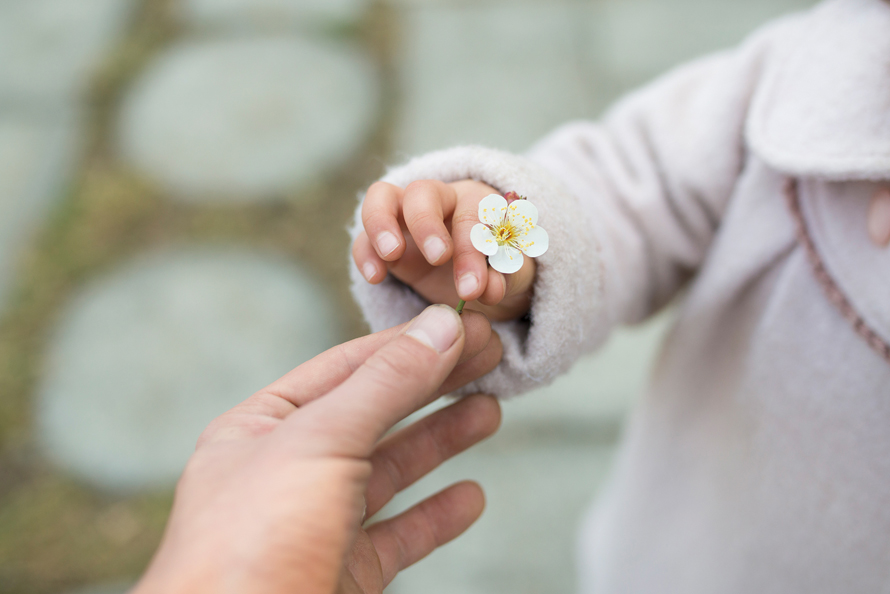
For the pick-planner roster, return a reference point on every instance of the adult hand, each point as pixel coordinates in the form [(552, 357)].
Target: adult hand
[(272, 501)]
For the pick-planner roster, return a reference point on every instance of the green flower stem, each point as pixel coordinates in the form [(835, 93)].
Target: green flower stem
[(460, 306)]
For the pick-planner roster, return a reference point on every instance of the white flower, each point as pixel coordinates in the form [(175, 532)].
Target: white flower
[(508, 231)]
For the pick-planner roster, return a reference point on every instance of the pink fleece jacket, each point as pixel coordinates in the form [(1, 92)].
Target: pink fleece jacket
[(759, 459)]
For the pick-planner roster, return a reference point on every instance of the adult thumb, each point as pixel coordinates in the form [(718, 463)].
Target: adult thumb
[(400, 378)]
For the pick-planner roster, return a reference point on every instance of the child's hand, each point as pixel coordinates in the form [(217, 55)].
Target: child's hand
[(435, 257)]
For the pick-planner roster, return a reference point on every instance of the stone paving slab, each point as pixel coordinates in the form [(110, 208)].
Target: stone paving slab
[(271, 14), (506, 73), (37, 154), (500, 75), (247, 119), (146, 357), (49, 48), (537, 492), (464, 3), (634, 41)]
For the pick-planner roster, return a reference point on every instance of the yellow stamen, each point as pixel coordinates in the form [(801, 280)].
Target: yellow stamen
[(505, 233)]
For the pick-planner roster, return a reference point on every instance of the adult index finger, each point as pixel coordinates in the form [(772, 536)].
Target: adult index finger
[(262, 412), (401, 377), (328, 370)]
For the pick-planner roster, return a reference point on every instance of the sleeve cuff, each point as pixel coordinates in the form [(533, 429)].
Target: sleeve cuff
[(567, 316)]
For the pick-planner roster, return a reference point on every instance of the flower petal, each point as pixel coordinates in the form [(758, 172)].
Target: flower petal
[(492, 209), (483, 239), (534, 243), (507, 259), (522, 214)]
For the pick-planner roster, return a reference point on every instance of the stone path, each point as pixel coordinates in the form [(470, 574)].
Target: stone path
[(241, 14), (37, 154), (48, 51), (245, 119), (506, 73), (619, 36), (489, 73), (50, 48), (148, 356)]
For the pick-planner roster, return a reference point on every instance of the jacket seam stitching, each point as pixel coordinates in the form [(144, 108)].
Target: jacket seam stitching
[(832, 290)]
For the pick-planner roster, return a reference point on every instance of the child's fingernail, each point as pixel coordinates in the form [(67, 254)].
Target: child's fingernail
[(437, 327), (387, 243), (434, 247), (467, 284), (369, 270)]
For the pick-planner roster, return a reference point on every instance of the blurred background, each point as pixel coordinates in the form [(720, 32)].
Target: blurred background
[(176, 177)]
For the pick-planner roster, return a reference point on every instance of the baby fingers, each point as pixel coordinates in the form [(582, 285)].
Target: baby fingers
[(380, 217), (369, 263), (471, 275), (425, 206)]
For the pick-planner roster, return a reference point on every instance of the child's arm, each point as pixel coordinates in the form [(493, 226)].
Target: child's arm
[(631, 206)]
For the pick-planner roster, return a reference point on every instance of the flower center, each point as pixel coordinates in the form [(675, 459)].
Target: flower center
[(505, 233)]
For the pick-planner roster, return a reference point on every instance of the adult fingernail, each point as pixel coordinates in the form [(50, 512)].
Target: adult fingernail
[(434, 247), (369, 270), (387, 243), (437, 327), (467, 284)]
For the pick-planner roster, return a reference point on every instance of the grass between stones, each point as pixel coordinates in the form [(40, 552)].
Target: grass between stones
[(55, 532)]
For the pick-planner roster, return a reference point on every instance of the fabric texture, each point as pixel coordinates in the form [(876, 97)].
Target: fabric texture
[(822, 106), (757, 460)]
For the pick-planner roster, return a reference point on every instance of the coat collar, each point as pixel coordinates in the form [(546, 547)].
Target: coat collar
[(823, 105)]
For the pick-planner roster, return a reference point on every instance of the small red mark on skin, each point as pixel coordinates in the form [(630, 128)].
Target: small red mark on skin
[(879, 218)]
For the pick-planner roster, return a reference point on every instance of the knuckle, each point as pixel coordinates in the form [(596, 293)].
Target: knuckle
[(395, 469), (466, 251), (424, 186), (208, 433), (475, 187), (220, 425), (428, 527), (465, 218), (403, 363), (423, 219), (379, 189), (436, 440), (377, 219), (380, 201)]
